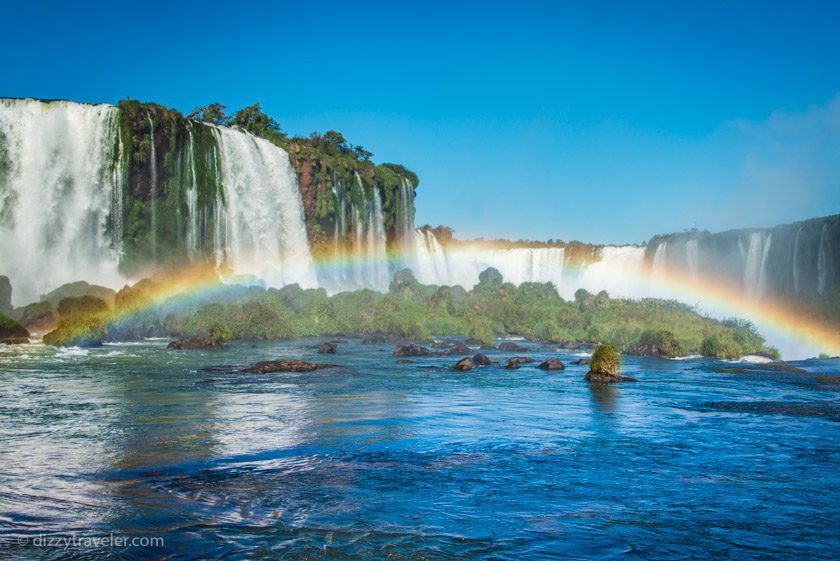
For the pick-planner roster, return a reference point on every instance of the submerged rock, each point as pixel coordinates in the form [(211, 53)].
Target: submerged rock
[(377, 339), (482, 359), (581, 361), (647, 350), (327, 348), (515, 362), (201, 343), (552, 364), (459, 348), (11, 332), (509, 347), (412, 350), (464, 364), (284, 365)]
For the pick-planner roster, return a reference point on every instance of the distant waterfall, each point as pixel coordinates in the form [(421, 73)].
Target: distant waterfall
[(432, 264), (405, 216), (619, 270), (263, 234), (796, 271), (755, 262), (58, 177), (377, 251), (360, 250), (823, 260)]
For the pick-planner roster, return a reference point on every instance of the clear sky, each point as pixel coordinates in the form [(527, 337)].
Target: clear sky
[(598, 121)]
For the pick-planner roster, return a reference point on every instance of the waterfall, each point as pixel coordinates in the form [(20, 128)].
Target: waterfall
[(377, 244), (823, 265), (795, 264), (191, 197), (153, 185), (692, 257), (359, 217), (433, 264), (58, 174), (762, 273), (263, 232), (619, 271), (429, 260), (660, 258), (405, 218), (755, 260)]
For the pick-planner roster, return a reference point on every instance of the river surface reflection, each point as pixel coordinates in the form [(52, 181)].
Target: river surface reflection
[(383, 459)]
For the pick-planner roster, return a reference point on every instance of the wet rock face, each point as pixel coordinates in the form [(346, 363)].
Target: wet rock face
[(327, 348), (188, 344), (283, 365), (552, 364), (464, 364), (482, 359), (509, 347), (412, 350), (5, 295)]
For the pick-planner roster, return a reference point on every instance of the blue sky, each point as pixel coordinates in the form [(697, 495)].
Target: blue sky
[(604, 122)]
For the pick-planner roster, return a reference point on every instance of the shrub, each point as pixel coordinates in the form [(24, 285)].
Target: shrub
[(481, 332), (664, 340), (220, 332), (548, 331), (720, 346), (605, 360)]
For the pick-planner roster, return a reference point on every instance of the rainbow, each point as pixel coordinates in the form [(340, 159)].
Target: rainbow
[(796, 333)]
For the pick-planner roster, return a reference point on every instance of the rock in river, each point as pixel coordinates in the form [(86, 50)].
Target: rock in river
[(552, 364), (515, 362), (482, 359), (268, 366), (412, 350), (203, 343), (327, 348), (464, 364)]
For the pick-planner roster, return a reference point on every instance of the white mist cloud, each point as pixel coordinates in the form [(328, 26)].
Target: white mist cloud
[(788, 166)]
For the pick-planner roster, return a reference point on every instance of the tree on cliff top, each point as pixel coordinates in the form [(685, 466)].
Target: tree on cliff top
[(253, 120), (213, 113)]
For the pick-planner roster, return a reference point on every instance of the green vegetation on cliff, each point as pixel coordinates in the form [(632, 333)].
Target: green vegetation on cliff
[(163, 155), (331, 171)]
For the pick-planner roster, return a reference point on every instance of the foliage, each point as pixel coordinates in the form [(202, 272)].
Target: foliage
[(82, 323), (720, 345), (213, 114), (11, 330), (411, 310), (162, 155), (605, 360), (253, 120), (667, 343)]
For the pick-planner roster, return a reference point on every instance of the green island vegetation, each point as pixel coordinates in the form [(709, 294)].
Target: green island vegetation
[(409, 311)]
